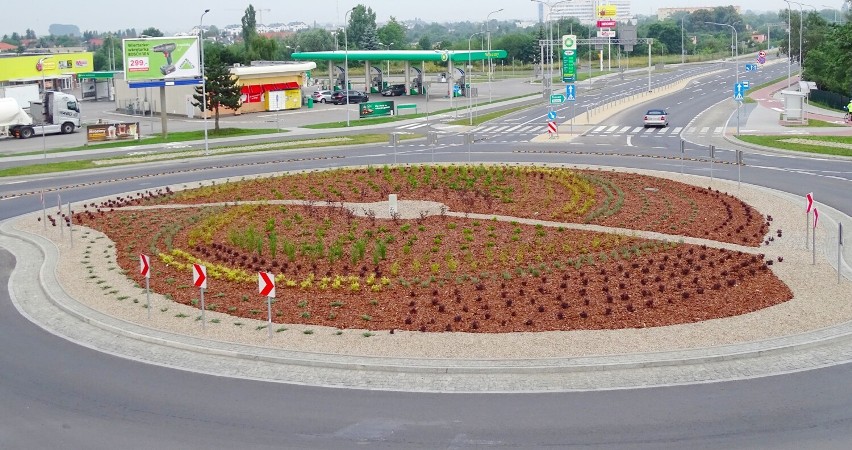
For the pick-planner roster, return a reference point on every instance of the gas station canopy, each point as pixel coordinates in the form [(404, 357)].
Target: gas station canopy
[(401, 55)]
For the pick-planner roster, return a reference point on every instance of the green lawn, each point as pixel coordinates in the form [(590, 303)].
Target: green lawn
[(299, 144), (178, 136), (482, 118), (827, 149)]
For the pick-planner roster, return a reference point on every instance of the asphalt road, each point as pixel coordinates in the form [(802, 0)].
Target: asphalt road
[(58, 394)]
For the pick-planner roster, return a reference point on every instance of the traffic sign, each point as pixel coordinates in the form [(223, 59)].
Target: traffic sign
[(750, 67), (266, 284), (746, 84), (738, 91), (762, 53), (761, 59), (556, 99), (551, 115), (551, 127), (199, 276), (145, 266), (816, 218), (570, 93), (810, 199)]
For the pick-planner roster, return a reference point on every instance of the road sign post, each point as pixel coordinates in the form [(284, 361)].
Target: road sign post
[(682, 154), (739, 167), (839, 249), (552, 129), (712, 155), (199, 280), (813, 237), (145, 271), (266, 286), (809, 198)]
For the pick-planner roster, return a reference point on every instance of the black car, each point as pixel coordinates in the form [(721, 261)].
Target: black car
[(394, 90), (339, 97)]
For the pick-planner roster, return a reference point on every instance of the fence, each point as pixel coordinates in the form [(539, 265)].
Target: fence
[(830, 99)]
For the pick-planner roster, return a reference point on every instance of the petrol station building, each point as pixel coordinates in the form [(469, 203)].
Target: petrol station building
[(414, 85)]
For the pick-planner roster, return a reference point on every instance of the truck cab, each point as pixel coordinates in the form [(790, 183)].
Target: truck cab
[(58, 112)]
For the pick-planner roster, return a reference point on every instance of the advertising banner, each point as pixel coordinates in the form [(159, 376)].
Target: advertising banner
[(606, 11), (119, 131), (162, 58), (607, 24), (376, 109), (569, 58)]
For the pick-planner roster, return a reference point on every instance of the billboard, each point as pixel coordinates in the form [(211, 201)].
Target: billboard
[(120, 131), (162, 58), (26, 67), (376, 109), (569, 58), (606, 11)]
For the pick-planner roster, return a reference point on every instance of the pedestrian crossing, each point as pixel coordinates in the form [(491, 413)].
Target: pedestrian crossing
[(618, 130), (489, 129)]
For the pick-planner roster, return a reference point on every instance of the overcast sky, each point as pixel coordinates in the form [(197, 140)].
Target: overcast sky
[(176, 15)]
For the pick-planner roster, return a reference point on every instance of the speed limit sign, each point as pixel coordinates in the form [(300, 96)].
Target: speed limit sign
[(761, 53)]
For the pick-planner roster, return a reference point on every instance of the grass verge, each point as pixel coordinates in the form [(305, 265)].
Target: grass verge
[(179, 136), (816, 123), (184, 154), (822, 145), (480, 119)]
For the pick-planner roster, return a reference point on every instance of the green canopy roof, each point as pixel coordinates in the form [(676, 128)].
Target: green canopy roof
[(402, 55)]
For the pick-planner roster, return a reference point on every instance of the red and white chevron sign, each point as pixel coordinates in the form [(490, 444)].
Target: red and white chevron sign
[(199, 276), (816, 218), (145, 266), (810, 198), (266, 284), (551, 127)]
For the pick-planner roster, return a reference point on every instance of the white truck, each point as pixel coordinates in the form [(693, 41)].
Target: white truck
[(23, 93), (57, 113)]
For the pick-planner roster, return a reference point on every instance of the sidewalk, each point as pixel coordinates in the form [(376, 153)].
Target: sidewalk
[(765, 118)]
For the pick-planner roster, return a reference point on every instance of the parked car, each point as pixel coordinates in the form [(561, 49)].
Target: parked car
[(394, 90), (322, 96), (339, 98), (656, 118)]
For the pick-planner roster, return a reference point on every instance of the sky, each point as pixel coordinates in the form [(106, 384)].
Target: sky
[(176, 16)]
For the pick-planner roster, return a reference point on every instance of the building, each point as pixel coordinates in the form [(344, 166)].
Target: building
[(665, 13), (586, 11), (541, 13)]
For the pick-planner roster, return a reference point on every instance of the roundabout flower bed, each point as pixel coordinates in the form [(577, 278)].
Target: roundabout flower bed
[(346, 267)]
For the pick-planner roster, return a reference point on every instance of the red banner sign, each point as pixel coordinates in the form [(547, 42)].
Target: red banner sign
[(606, 24)]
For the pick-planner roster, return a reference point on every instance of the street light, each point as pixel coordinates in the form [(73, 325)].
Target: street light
[(681, 39), (550, 6), (387, 47), (488, 55), (470, 79), (736, 63), (43, 90), (346, 64), (203, 81), (789, 45)]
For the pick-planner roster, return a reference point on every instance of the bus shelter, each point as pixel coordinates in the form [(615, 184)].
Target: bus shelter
[(453, 59)]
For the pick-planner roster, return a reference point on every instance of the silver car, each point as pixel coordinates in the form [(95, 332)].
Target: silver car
[(322, 96), (656, 118)]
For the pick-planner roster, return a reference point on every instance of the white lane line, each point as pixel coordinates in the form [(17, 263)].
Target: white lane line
[(629, 144)]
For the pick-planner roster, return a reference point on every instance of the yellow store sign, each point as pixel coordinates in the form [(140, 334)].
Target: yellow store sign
[(27, 67), (606, 11)]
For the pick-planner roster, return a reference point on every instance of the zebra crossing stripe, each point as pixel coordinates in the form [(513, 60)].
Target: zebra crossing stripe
[(611, 129), (677, 130), (637, 130), (623, 130), (718, 130), (704, 130), (599, 129), (513, 128)]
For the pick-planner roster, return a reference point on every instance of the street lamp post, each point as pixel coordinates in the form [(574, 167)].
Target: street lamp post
[(550, 6), (346, 64), (43, 89), (387, 47), (789, 45), (681, 39), (736, 64), (488, 39), (470, 80), (203, 80)]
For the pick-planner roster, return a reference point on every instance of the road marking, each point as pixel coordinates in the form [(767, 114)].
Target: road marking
[(629, 144), (704, 130), (718, 130), (623, 130), (637, 129), (611, 129), (677, 130), (598, 129), (513, 128)]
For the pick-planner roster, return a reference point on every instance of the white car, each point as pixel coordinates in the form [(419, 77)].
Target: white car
[(322, 96), (656, 118)]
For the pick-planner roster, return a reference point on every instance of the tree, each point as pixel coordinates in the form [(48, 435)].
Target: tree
[(393, 32), (667, 33), (249, 23), (370, 39), (221, 89), (30, 34), (314, 40), (152, 32), (424, 43), (520, 46), (361, 19)]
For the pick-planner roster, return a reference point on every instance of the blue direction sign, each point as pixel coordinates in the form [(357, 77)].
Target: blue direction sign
[(551, 115), (738, 91), (746, 85), (750, 67), (570, 93)]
